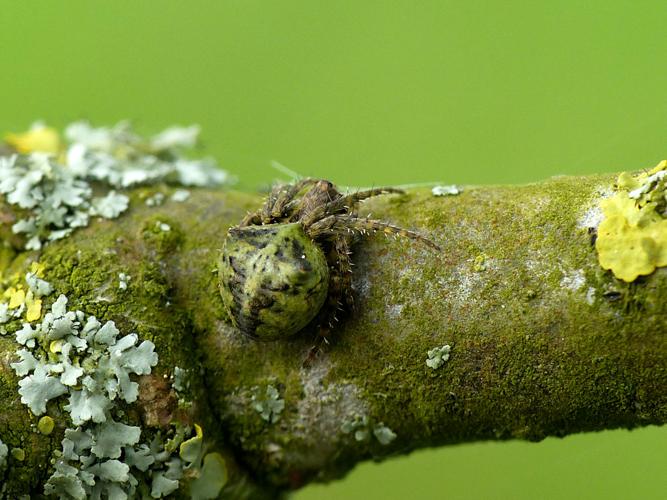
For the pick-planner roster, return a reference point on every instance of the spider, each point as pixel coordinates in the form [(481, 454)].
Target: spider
[(288, 264)]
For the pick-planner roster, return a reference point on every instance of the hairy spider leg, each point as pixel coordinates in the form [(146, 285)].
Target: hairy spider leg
[(251, 219), (257, 218), (279, 209), (345, 204), (309, 206), (342, 224), (271, 201), (344, 253), (339, 293), (280, 194), (349, 201)]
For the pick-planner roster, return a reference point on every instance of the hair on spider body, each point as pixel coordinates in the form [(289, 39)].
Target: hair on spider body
[(288, 263)]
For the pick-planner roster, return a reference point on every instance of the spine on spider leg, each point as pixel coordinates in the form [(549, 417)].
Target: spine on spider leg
[(373, 225)]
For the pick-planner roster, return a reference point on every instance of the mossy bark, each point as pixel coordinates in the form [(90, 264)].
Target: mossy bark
[(544, 341)]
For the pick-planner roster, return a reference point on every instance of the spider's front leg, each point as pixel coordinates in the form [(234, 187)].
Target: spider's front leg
[(346, 203), (281, 207), (265, 215), (341, 224)]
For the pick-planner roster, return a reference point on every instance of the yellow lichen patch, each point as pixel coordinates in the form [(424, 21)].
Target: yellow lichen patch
[(39, 138), (37, 268), (33, 307), (16, 297), (632, 238)]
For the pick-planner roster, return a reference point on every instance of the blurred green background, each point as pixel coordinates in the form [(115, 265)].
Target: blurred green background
[(374, 93)]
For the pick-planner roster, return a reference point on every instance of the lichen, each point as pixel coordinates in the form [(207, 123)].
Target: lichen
[(384, 434), (207, 471), (23, 298), (270, 405), (480, 263), (632, 238), (95, 377), (123, 280), (51, 181), (438, 356), (362, 429), (3, 455), (38, 138), (450, 190), (45, 425)]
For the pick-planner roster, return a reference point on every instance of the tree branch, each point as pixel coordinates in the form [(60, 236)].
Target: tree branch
[(543, 341)]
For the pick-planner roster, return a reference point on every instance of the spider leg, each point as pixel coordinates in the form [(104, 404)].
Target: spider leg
[(274, 206), (259, 217), (349, 201), (341, 224), (329, 225), (339, 294), (274, 195), (344, 204), (343, 253), (354, 198), (251, 219), (279, 208)]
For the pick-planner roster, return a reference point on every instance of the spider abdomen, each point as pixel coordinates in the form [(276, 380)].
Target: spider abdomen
[(274, 279)]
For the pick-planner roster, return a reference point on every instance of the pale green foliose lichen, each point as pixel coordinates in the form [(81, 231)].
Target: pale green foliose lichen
[(180, 195), (269, 406), (180, 379), (156, 200), (384, 434), (438, 356), (71, 353), (51, 179), (358, 425), (55, 199), (362, 429), (632, 237), (212, 478), (3, 455), (120, 157), (208, 470), (38, 286)]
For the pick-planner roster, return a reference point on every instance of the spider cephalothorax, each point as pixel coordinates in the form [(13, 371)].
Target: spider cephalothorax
[(288, 264)]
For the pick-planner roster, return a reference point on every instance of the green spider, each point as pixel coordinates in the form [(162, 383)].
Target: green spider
[(288, 264)]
